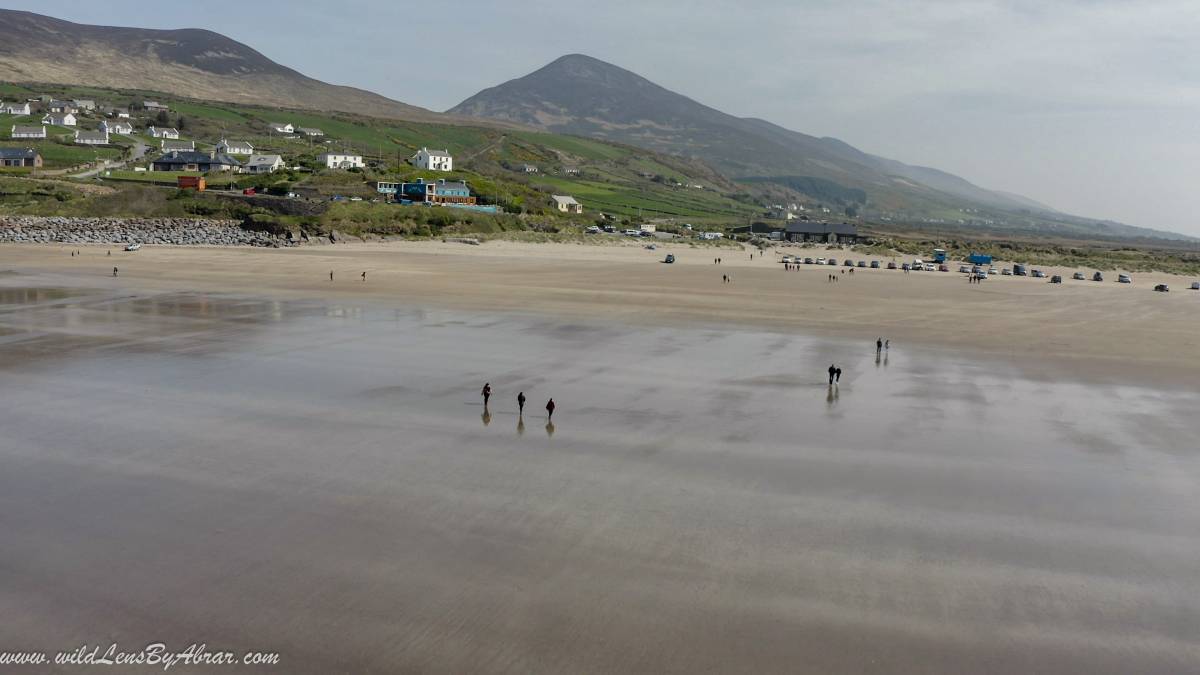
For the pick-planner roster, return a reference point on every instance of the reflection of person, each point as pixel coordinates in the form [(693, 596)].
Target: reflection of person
[(486, 417), (521, 402), (550, 429), (520, 426), (486, 393), (550, 409)]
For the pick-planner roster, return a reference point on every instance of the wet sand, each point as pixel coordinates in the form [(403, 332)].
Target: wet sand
[(318, 477)]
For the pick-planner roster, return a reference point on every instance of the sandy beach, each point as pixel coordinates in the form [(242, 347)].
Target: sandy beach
[(224, 446)]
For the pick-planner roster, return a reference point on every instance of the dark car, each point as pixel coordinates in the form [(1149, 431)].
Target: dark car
[(874, 264), (891, 266), (862, 263), (849, 263), (1161, 288), (670, 259), (1056, 279), (1097, 277), (1078, 276)]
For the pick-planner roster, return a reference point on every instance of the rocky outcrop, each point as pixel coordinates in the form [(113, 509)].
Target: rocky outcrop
[(171, 231)]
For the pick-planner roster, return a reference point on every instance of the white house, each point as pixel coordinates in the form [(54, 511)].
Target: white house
[(85, 104), (91, 137), (116, 127), (228, 147), (339, 161), (263, 164), (172, 133), (310, 131), (28, 132), (120, 113), (282, 128), (567, 204), (178, 146), (433, 160), (62, 107), (60, 120), (16, 109), (154, 106), (529, 168)]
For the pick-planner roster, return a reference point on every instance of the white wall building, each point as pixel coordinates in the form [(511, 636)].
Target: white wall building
[(263, 164), (60, 120), (16, 109), (121, 127), (172, 134), (433, 160), (567, 204), (339, 161), (282, 128), (28, 132), (91, 137), (227, 147)]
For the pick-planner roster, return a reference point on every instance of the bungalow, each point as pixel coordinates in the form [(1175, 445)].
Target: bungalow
[(28, 132), (440, 192), (116, 127), (282, 128), (171, 133), (226, 147), (194, 161), (63, 120), (84, 104), (529, 168), (340, 161), (433, 160), (17, 158), (119, 113), (16, 109), (178, 146), (567, 204), (62, 107), (263, 164), (91, 138), (310, 131), (154, 106), (571, 170), (832, 233)]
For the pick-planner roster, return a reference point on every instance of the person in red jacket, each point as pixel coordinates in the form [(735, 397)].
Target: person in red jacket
[(550, 409)]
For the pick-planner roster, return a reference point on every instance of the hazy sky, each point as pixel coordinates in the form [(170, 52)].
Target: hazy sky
[(1090, 106)]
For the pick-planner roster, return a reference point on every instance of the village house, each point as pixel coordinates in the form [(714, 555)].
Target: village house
[(567, 204), (194, 161), (119, 113), (91, 137), (282, 128), (529, 168), (228, 147), (11, 158), (341, 161), (830, 233), (61, 107), (16, 109), (154, 106), (310, 132), (60, 120), (116, 127), (178, 146), (28, 132), (170, 133), (433, 160), (571, 170), (263, 164), (84, 104), (441, 191)]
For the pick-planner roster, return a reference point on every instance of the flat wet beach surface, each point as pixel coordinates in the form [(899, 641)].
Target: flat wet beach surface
[(320, 479)]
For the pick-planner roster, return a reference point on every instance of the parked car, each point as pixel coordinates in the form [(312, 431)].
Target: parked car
[(862, 263), (874, 264), (943, 268), (1161, 288), (1006, 272), (133, 247), (849, 263), (249, 192), (929, 267), (786, 260), (808, 261), (832, 261), (820, 261), (992, 270), (891, 266), (632, 233), (1038, 274), (1056, 279), (1097, 277), (1018, 270), (963, 269), (1196, 285), (670, 259), (593, 230), (1078, 276), (1124, 279)]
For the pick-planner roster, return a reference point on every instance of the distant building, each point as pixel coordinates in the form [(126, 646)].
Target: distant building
[(263, 164), (235, 147), (178, 146), (529, 168), (567, 204), (28, 132), (282, 128), (310, 132), (833, 233), (120, 113), (433, 160), (341, 161), (571, 170), (84, 104), (61, 107), (16, 109), (60, 119), (116, 126), (154, 106), (91, 138), (194, 161), (170, 133), (441, 191), (16, 158)]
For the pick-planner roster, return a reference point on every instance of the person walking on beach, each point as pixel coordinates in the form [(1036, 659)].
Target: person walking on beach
[(486, 393), (879, 345), (114, 271), (364, 276), (521, 403), (550, 409), (837, 376), (887, 345), (832, 372), (331, 275)]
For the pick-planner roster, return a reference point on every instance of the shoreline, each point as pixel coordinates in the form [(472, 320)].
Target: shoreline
[(1088, 331)]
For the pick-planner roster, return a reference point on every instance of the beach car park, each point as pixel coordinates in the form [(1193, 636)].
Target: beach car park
[(1124, 279)]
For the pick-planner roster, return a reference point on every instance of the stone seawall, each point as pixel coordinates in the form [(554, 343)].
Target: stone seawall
[(173, 231)]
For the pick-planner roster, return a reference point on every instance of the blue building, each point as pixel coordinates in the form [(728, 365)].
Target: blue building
[(441, 191)]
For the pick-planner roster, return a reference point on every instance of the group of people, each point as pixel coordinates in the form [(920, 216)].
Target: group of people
[(716, 261), (881, 345), (726, 279), (487, 397), (835, 373)]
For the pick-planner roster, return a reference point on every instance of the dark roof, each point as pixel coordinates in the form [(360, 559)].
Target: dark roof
[(17, 153), (185, 157), (809, 227)]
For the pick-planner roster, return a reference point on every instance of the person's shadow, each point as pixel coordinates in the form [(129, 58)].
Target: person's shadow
[(878, 359), (486, 416), (831, 397), (521, 425), (550, 429)]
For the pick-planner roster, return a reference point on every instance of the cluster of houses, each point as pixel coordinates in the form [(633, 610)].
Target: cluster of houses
[(287, 129), (66, 114)]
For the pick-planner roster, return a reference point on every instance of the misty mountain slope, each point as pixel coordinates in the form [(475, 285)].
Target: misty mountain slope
[(195, 63)]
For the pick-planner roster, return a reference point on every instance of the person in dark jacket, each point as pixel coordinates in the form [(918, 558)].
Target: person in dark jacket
[(521, 402), (550, 409), (486, 393), (832, 371)]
